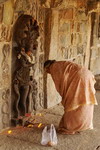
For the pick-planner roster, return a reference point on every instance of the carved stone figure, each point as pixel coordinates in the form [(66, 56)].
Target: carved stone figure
[(22, 83), (26, 32)]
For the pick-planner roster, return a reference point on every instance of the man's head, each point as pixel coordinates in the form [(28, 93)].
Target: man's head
[(47, 64)]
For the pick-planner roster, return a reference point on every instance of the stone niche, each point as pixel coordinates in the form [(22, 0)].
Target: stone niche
[(24, 64)]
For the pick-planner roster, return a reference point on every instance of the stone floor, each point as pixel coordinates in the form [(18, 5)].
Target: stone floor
[(29, 138)]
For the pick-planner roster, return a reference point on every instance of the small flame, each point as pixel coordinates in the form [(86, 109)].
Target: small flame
[(39, 114), (9, 131), (30, 126), (40, 124)]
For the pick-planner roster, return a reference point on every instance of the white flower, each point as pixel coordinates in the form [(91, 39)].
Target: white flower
[(19, 56)]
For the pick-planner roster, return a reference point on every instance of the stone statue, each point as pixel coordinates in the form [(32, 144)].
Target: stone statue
[(26, 33), (22, 82)]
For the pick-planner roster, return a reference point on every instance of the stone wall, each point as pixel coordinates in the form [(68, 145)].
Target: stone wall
[(67, 24), (68, 28)]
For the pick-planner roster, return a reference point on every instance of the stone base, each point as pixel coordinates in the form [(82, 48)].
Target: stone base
[(22, 121), (15, 122)]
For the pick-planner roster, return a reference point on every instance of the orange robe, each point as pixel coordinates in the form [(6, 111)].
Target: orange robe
[(75, 84)]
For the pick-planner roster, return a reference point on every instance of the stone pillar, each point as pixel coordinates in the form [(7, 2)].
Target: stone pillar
[(6, 20)]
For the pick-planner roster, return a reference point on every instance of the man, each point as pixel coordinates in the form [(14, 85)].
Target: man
[(75, 84)]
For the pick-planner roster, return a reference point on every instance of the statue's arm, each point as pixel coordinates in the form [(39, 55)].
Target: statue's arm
[(26, 63)]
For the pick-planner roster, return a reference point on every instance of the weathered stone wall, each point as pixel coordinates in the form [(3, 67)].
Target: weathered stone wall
[(67, 40), (68, 27)]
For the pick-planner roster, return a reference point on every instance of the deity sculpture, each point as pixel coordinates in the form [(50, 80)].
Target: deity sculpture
[(23, 82)]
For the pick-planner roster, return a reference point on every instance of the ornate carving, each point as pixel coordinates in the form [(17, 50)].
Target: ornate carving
[(80, 49), (33, 10), (64, 52), (4, 64), (41, 28), (5, 107), (5, 95), (41, 16), (26, 32), (33, 96), (41, 94), (41, 60), (51, 3), (57, 3), (5, 33), (22, 5)]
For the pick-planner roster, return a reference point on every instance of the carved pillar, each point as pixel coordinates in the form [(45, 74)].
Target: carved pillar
[(40, 18)]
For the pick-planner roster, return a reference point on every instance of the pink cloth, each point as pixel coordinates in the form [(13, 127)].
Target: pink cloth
[(75, 84), (79, 119)]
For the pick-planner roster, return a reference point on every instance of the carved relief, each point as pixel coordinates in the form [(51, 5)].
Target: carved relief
[(4, 64), (41, 16), (46, 3), (64, 52), (41, 60), (80, 60), (33, 10), (5, 108), (41, 28), (80, 49), (57, 3), (23, 5), (5, 95), (51, 3), (5, 33), (26, 32), (69, 52), (41, 94), (34, 90)]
